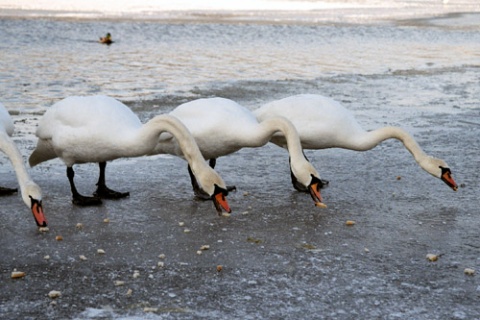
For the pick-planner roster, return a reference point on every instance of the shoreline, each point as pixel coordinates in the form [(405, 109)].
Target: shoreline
[(270, 17)]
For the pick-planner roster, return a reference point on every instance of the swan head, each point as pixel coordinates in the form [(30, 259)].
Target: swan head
[(438, 168), (212, 184), (32, 196), (307, 179), (220, 201)]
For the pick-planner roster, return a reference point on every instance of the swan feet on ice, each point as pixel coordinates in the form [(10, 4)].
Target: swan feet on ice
[(83, 201), (102, 190), (105, 193), (7, 191)]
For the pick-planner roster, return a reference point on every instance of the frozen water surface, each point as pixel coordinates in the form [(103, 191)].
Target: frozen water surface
[(281, 256)]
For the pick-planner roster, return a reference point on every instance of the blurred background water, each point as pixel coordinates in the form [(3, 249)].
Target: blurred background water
[(154, 65)]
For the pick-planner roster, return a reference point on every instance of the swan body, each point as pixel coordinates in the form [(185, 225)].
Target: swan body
[(31, 192), (100, 128), (324, 123), (221, 126)]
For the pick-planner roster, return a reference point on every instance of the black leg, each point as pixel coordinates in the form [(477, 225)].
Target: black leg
[(77, 198), (212, 162), (103, 191), (7, 191)]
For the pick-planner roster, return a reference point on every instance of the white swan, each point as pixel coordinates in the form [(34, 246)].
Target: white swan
[(221, 126), (31, 192), (324, 123), (99, 129)]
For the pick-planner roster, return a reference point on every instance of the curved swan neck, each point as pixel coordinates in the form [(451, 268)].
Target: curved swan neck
[(373, 138), (273, 125), (149, 133), (8, 146)]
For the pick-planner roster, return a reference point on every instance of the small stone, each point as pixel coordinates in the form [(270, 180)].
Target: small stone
[(106, 220), (59, 238), (181, 224), (100, 251), (119, 283), (350, 223), (54, 294), (432, 257), (43, 229), (79, 226), (129, 292), (82, 257), (161, 264), (205, 247), (17, 274), (186, 230), (47, 257), (199, 252), (469, 271), (161, 256), (219, 268)]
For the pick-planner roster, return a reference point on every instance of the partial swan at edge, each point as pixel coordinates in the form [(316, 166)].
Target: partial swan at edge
[(31, 192)]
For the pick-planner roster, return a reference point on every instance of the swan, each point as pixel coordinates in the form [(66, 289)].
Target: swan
[(99, 129), (31, 192), (221, 126), (324, 123)]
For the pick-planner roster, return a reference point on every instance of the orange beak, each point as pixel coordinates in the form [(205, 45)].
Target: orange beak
[(220, 202), (38, 215), (447, 178), (314, 189)]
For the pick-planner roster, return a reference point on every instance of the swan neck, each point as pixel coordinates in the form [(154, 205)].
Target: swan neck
[(280, 124), (8, 147), (151, 131), (379, 135)]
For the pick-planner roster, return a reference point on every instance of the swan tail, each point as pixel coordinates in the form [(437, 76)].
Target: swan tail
[(43, 152)]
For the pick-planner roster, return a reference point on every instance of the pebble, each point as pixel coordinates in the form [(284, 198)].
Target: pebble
[(54, 294), (432, 257), (17, 274), (469, 271)]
